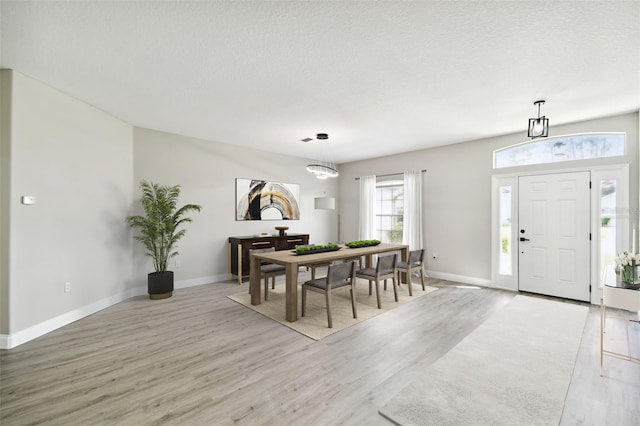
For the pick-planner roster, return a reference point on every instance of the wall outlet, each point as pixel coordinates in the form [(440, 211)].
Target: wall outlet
[(434, 255), (67, 287)]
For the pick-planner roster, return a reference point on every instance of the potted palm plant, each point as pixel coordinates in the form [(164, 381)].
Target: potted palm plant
[(159, 232)]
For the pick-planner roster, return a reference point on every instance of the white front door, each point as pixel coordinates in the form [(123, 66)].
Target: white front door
[(554, 235)]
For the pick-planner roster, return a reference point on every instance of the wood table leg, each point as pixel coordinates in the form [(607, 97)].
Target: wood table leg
[(404, 256), (368, 261), (291, 302), (254, 279)]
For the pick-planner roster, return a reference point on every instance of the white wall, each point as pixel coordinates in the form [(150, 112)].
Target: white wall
[(207, 172), (457, 192), (77, 162)]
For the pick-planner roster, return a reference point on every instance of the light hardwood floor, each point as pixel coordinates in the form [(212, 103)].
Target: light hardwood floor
[(199, 358)]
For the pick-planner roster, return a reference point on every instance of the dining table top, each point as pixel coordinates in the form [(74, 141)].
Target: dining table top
[(284, 257)]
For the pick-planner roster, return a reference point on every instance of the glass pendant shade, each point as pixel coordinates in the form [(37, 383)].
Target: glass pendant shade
[(322, 171), (538, 127), (323, 168)]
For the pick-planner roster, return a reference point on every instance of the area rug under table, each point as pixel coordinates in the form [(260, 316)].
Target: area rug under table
[(314, 323), (514, 369)]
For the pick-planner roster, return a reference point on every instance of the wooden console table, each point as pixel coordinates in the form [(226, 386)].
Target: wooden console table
[(239, 247)]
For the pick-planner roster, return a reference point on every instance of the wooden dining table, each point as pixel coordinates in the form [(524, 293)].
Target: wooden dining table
[(292, 261)]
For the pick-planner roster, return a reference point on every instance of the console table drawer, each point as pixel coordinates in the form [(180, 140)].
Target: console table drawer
[(239, 250), (290, 243)]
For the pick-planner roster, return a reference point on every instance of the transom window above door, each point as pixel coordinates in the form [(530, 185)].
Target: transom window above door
[(561, 148)]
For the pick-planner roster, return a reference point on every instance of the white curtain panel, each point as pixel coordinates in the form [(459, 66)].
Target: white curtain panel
[(367, 225), (412, 226)]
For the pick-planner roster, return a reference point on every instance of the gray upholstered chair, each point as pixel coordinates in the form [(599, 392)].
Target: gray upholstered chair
[(268, 270), (357, 259), (385, 269), (339, 276), (414, 263), (315, 266)]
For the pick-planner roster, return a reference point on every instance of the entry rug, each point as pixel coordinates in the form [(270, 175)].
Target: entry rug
[(314, 323), (514, 369)]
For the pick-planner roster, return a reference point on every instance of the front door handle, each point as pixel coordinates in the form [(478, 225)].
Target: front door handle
[(524, 239)]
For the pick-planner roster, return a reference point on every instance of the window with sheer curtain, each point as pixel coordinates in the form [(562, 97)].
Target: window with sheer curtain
[(383, 209), (367, 223), (389, 211)]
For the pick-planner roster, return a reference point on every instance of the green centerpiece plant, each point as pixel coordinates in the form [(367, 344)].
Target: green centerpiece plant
[(159, 232), (362, 243), (316, 248)]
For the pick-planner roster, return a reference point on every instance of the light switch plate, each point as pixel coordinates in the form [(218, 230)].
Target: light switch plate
[(28, 199)]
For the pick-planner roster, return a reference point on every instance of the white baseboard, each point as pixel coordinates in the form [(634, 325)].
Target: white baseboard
[(200, 281), (35, 331), (460, 279), (9, 341)]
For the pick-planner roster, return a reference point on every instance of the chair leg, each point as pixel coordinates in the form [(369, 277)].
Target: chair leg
[(313, 272), (353, 302), (422, 278), (304, 299), (395, 287), (327, 295), (378, 294), (266, 288), (273, 282), (370, 284), (409, 281), (385, 284)]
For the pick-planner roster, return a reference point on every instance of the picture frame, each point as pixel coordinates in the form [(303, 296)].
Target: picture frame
[(258, 199)]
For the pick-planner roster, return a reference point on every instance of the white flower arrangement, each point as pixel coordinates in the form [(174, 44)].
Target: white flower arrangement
[(625, 258), (626, 265)]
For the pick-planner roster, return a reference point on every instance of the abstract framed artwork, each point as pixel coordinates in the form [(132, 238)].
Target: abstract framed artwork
[(265, 200)]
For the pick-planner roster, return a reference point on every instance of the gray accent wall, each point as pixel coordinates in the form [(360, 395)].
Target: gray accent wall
[(457, 191)]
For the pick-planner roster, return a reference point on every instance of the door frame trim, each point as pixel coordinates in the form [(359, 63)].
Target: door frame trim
[(510, 282)]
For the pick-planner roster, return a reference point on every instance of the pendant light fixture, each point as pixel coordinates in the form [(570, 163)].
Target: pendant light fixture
[(538, 127), (323, 168)]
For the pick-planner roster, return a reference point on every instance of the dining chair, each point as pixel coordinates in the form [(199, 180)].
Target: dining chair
[(414, 263), (385, 269), (268, 270), (315, 266), (357, 259), (339, 276)]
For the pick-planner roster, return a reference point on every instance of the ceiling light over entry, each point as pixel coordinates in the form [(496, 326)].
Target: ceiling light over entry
[(538, 127), (323, 167)]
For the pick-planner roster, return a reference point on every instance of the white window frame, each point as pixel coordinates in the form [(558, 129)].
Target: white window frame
[(386, 182)]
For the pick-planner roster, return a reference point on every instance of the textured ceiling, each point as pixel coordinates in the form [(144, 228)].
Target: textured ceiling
[(379, 77)]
